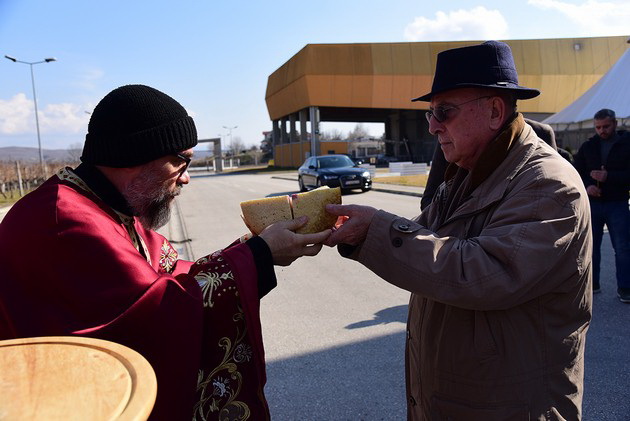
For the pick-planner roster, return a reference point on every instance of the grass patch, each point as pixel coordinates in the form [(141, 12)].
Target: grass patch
[(8, 201), (419, 180)]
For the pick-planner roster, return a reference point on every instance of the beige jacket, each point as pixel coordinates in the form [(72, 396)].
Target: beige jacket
[(499, 267)]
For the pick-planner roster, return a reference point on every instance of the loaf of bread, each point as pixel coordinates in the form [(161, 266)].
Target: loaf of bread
[(260, 213), (313, 204)]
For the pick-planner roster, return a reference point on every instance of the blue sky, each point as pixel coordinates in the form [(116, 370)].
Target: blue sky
[(214, 57)]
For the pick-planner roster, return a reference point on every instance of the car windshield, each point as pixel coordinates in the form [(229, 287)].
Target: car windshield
[(334, 162)]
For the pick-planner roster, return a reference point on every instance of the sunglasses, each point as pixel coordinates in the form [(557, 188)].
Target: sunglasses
[(186, 160), (441, 114)]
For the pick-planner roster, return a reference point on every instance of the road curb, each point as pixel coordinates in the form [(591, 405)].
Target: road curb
[(405, 193)]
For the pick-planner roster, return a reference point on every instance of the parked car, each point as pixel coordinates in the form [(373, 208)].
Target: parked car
[(333, 171)]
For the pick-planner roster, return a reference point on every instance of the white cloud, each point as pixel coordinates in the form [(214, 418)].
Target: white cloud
[(17, 116), (477, 23), (594, 18), (64, 118), (89, 79)]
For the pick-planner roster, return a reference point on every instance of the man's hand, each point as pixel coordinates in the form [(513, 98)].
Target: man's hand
[(599, 175), (286, 246), (352, 225), (594, 191)]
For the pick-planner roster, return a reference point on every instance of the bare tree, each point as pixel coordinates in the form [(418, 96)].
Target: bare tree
[(236, 146), (74, 152), (359, 132), (332, 134)]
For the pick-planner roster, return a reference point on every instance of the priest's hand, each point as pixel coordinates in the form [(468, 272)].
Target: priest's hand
[(286, 246)]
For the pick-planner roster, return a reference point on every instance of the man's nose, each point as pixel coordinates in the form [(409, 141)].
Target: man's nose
[(184, 178), (435, 126)]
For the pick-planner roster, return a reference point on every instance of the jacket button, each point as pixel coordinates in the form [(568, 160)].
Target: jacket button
[(408, 334), (412, 401), (397, 242), (404, 227)]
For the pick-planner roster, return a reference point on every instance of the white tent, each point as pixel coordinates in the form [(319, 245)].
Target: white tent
[(611, 91)]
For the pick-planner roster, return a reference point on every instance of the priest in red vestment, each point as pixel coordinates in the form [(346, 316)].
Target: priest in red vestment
[(80, 257)]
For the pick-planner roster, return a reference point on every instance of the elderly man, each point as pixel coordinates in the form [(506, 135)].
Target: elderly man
[(498, 265), (80, 257), (603, 161)]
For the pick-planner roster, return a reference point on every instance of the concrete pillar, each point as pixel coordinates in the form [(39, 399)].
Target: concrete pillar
[(275, 138), (303, 119), (315, 144), (283, 131), (216, 152), (391, 134), (275, 134), (292, 132)]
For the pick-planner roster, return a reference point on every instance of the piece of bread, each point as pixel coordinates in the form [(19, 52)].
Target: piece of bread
[(260, 213), (313, 204)]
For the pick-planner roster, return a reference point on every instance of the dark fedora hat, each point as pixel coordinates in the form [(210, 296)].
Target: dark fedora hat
[(487, 65)]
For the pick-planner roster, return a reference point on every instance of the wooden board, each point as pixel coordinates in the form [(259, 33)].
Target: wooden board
[(73, 378)]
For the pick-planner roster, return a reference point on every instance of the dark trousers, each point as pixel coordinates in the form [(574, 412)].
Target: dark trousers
[(616, 216)]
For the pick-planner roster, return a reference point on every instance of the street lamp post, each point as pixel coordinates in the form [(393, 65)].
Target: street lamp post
[(230, 132), (46, 60)]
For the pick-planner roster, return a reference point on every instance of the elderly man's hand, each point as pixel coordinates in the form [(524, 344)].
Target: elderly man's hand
[(352, 225), (594, 191), (286, 246)]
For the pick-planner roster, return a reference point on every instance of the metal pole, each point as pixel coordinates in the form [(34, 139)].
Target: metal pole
[(230, 129), (39, 140)]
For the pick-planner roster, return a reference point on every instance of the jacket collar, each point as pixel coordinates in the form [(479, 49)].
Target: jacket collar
[(103, 188)]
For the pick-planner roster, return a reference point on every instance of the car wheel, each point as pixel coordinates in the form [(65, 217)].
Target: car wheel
[(318, 183), (301, 183)]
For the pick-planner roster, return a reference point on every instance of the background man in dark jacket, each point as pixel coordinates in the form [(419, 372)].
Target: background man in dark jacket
[(603, 162)]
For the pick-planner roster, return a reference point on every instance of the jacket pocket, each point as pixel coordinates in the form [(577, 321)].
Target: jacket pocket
[(444, 409), (484, 341)]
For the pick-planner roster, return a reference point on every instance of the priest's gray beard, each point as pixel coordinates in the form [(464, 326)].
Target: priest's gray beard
[(149, 200)]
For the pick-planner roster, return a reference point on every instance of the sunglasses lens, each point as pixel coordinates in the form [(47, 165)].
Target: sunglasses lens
[(439, 114)]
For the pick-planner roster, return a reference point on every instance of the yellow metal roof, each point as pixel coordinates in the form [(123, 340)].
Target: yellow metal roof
[(389, 75)]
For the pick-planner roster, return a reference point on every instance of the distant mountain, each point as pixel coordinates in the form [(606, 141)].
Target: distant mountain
[(25, 154)]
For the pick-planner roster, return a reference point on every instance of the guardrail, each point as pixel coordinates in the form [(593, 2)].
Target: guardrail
[(408, 168)]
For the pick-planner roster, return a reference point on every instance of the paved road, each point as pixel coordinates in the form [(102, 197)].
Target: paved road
[(334, 332)]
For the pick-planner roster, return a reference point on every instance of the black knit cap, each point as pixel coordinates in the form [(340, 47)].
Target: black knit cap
[(136, 124)]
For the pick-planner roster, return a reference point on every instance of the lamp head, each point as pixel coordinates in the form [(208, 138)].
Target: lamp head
[(49, 59), (13, 59)]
